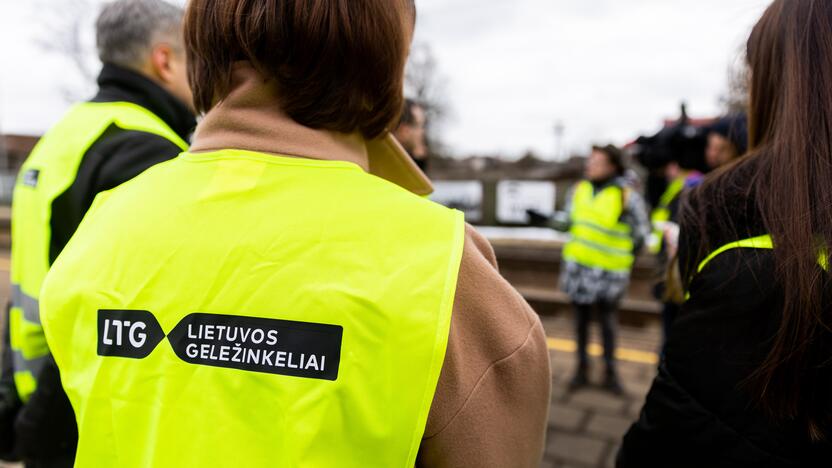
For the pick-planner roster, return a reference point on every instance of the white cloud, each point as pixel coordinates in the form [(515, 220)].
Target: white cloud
[(609, 69)]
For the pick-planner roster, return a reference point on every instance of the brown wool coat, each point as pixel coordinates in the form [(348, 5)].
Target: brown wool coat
[(491, 404)]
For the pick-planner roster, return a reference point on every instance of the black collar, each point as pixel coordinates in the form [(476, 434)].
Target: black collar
[(602, 184), (117, 84)]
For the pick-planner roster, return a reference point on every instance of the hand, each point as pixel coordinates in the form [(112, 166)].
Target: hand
[(671, 238)]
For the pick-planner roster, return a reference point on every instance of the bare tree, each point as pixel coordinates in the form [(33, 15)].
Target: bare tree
[(66, 30), (735, 100), (425, 85)]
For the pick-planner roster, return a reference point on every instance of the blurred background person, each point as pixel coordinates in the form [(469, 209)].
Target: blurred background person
[(727, 140), (411, 133), (746, 377), (608, 226), (140, 116), (675, 159), (665, 236), (296, 209)]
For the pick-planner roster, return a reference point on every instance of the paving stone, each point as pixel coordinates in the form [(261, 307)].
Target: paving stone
[(611, 456), (547, 464), (632, 371), (566, 418), (609, 427), (638, 388), (598, 400), (576, 449), (561, 374), (559, 391), (634, 410)]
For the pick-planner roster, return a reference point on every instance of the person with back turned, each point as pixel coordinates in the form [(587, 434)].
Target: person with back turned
[(141, 116), (746, 380), (283, 294)]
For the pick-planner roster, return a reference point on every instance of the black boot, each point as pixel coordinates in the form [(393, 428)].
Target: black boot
[(612, 384), (580, 379)]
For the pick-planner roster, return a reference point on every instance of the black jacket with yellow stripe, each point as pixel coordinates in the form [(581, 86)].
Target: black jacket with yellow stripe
[(701, 410), (43, 431)]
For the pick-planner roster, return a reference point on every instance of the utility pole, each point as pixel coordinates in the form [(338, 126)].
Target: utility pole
[(560, 129)]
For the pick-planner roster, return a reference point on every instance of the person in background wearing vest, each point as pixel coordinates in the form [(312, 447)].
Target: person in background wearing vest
[(746, 379), (608, 224), (283, 294), (141, 116), (411, 133), (727, 140)]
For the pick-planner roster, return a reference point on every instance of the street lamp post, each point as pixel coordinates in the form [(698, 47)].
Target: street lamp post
[(560, 128)]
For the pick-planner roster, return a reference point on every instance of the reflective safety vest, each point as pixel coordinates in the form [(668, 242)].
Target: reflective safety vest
[(763, 242), (48, 172), (661, 214), (240, 309), (599, 238)]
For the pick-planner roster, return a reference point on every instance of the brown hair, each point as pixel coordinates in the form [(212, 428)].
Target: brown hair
[(790, 167), (615, 157), (338, 64)]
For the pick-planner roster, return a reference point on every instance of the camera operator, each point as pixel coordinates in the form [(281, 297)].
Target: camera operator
[(727, 140), (676, 159)]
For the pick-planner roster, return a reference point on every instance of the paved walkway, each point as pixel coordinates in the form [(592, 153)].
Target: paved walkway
[(585, 427)]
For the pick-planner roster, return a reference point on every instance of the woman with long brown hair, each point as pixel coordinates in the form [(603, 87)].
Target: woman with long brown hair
[(747, 376)]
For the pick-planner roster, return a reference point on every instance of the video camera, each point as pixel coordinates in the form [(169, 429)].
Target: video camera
[(681, 142)]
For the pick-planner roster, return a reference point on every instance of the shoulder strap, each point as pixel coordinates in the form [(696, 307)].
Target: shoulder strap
[(760, 242), (134, 117)]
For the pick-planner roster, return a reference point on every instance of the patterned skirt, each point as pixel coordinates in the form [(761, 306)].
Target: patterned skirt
[(586, 285)]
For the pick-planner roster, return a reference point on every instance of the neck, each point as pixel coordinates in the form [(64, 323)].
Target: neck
[(118, 84), (251, 118), (602, 182)]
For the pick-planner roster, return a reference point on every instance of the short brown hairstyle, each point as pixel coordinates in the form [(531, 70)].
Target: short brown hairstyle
[(338, 64), (615, 156)]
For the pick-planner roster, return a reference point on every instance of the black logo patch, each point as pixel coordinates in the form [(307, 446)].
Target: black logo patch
[(271, 346), (30, 178), (299, 349), (128, 333)]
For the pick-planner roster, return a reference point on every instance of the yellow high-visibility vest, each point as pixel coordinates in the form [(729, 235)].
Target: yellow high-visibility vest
[(599, 238), (764, 242), (241, 309), (48, 172), (661, 214)]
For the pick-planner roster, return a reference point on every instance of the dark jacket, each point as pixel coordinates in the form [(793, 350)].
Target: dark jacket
[(700, 411), (45, 427)]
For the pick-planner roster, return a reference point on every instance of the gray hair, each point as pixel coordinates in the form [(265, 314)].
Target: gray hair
[(127, 30)]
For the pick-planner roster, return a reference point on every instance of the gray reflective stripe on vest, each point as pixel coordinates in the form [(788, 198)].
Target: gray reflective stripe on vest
[(29, 305), (602, 248), (34, 366), (603, 230)]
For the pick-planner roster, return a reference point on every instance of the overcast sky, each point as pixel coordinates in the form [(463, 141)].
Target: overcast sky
[(608, 69)]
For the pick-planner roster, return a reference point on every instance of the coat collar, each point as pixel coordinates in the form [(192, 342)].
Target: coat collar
[(250, 118)]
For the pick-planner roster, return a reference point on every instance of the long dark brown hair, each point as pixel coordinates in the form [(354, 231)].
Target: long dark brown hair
[(790, 185)]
